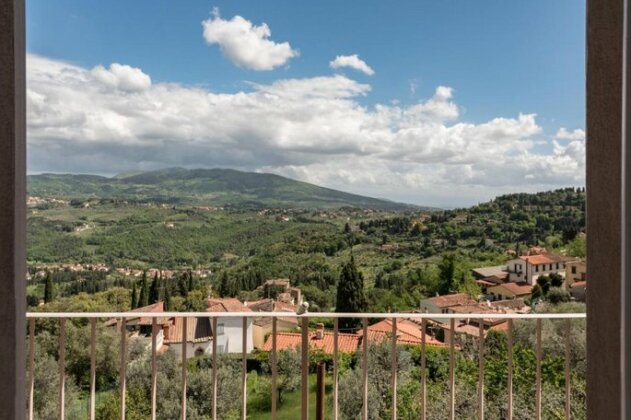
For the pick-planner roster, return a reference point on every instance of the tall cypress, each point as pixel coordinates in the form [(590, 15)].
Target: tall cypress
[(154, 291), (167, 299), (143, 299), (350, 294), (134, 298), (48, 288)]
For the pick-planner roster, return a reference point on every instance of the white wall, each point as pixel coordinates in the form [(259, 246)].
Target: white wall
[(231, 340)]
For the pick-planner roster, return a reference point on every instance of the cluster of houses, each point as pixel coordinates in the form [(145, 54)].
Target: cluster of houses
[(505, 290), (516, 278)]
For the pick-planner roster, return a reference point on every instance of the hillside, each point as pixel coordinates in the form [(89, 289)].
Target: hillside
[(213, 187)]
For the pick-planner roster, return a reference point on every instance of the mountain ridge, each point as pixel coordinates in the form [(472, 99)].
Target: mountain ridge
[(216, 186)]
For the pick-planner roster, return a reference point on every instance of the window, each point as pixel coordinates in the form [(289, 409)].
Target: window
[(537, 268), (220, 329), (574, 270)]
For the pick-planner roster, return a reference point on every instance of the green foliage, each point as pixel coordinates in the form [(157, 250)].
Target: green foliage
[(350, 293)]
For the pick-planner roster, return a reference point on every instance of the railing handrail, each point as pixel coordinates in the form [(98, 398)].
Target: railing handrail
[(279, 314)]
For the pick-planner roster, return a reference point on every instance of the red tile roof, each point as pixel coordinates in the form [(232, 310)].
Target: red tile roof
[(347, 343), (455, 299), (226, 305), (518, 289), (197, 330), (545, 258)]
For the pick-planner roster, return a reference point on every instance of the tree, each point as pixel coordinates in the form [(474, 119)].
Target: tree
[(183, 285), (350, 293), (447, 268), (544, 283), (556, 280), (536, 293), (143, 299), (347, 228), (48, 288), (167, 298), (154, 290), (134, 298), (557, 295), (195, 301), (224, 289)]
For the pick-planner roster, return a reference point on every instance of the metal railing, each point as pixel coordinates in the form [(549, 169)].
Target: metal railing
[(304, 348)]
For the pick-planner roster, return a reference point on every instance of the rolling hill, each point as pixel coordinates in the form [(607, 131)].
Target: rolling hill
[(214, 187)]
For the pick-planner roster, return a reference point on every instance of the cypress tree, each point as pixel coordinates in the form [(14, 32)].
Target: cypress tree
[(224, 285), (134, 298), (183, 285), (154, 291), (143, 299), (167, 299), (48, 288), (350, 293)]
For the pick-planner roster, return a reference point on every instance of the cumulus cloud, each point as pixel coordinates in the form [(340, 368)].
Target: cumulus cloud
[(123, 77), (313, 129), (353, 62), (245, 44)]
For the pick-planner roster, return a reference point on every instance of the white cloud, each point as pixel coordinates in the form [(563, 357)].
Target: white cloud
[(564, 134), (245, 44), (123, 77), (314, 129), (352, 61)]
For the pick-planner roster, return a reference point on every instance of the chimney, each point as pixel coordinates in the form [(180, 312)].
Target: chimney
[(319, 331)]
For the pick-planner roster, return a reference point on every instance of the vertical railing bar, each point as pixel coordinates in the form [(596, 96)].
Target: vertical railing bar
[(452, 381), (274, 368), (184, 364), (154, 368), (481, 371), (62, 368), (93, 369), (31, 366), (538, 377), (568, 389), (244, 368), (336, 330), (423, 373), (123, 367), (365, 369), (509, 385), (304, 370), (393, 369), (214, 374)]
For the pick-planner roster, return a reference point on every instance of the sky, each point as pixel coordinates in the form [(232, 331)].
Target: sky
[(442, 103)]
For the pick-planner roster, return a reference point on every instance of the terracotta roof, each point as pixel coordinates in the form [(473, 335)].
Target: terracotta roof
[(579, 284), (497, 270), (154, 308), (271, 305), (545, 258), (226, 305), (197, 330), (518, 289), (455, 299), (347, 343)]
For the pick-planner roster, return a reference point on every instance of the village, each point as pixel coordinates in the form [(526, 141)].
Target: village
[(506, 289)]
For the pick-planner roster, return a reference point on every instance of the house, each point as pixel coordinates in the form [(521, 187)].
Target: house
[(318, 340), (527, 268), (441, 304), (229, 334), (198, 336), (575, 271), (280, 289), (484, 272), (471, 326), (408, 333), (262, 327), (509, 290)]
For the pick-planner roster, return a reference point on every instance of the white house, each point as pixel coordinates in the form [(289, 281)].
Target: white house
[(229, 334), (527, 268)]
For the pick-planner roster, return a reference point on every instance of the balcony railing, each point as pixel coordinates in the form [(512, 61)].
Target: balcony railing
[(422, 318)]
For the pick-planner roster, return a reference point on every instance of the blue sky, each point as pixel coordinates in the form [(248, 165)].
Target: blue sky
[(500, 59)]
